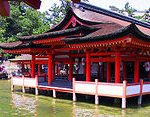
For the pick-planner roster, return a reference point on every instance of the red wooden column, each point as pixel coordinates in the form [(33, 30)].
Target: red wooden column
[(117, 67), (108, 72), (88, 67), (70, 69), (50, 69), (136, 71), (33, 66), (53, 67), (124, 71)]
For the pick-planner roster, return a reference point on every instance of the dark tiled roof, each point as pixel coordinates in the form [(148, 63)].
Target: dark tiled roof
[(20, 45), (100, 24), (9, 45), (57, 33), (68, 16), (131, 29), (113, 14)]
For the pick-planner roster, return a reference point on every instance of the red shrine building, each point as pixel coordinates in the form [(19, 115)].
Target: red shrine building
[(91, 51)]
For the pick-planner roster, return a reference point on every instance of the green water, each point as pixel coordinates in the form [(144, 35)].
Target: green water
[(17, 104)]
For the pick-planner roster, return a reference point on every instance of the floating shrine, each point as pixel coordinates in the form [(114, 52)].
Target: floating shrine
[(92, 51)]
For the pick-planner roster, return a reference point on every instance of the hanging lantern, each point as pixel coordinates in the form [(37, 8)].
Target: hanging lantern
[(121, 66), (76, 65), (147, 66), (61, 65), (100, 63), (83, 61)]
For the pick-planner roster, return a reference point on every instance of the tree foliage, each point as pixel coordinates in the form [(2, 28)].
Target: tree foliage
[(56, 13), (131, 12), (23, 20)]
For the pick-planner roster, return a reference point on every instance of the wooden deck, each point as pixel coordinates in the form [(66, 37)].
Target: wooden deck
[(59, 84), (117, 90)]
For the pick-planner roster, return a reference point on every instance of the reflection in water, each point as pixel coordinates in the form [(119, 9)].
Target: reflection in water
[(86, 112), (123, 112), (25, 103)]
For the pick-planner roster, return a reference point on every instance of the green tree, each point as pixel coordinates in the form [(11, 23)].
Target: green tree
[(130, 12), (23, 20), (56, 13)]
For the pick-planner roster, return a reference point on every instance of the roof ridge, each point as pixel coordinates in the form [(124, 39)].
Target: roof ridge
[(113, 14), (132, 28)]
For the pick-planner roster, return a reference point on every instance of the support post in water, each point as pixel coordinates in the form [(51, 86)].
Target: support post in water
[(96, 93), (74, 94), (140, 97), (12, 86), (36, 87), (23, 88), (74, 97), (54, 93), (124, 94)]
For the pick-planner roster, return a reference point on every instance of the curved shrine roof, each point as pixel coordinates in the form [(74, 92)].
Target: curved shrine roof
[(87, 23)]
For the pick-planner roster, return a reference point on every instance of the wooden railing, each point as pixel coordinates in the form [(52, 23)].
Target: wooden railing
[(25, 82), (120, 90)]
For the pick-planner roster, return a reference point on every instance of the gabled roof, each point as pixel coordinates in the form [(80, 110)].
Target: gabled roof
[(54, 34), (69, 13), (86, 23), (113, 14), (88, 16), (20, 45), (131, 29)]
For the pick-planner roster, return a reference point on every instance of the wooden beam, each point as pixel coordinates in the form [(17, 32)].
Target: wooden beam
[(4, 8), (33, 3), (77, 55), (107, 59), (102, 54)]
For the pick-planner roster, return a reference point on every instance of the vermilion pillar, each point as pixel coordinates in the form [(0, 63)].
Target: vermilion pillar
[(88, 67), (49, 69), (53, 68), (117, 67), (33, 66), (58, 70), (39, 69), (136, 71), (70, 69), (124, 71), (108, 72)]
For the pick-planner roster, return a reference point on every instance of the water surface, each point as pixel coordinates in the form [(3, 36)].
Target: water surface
[(17, 104)]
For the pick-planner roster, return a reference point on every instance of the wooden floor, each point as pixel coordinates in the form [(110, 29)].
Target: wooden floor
[(58, 84)]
